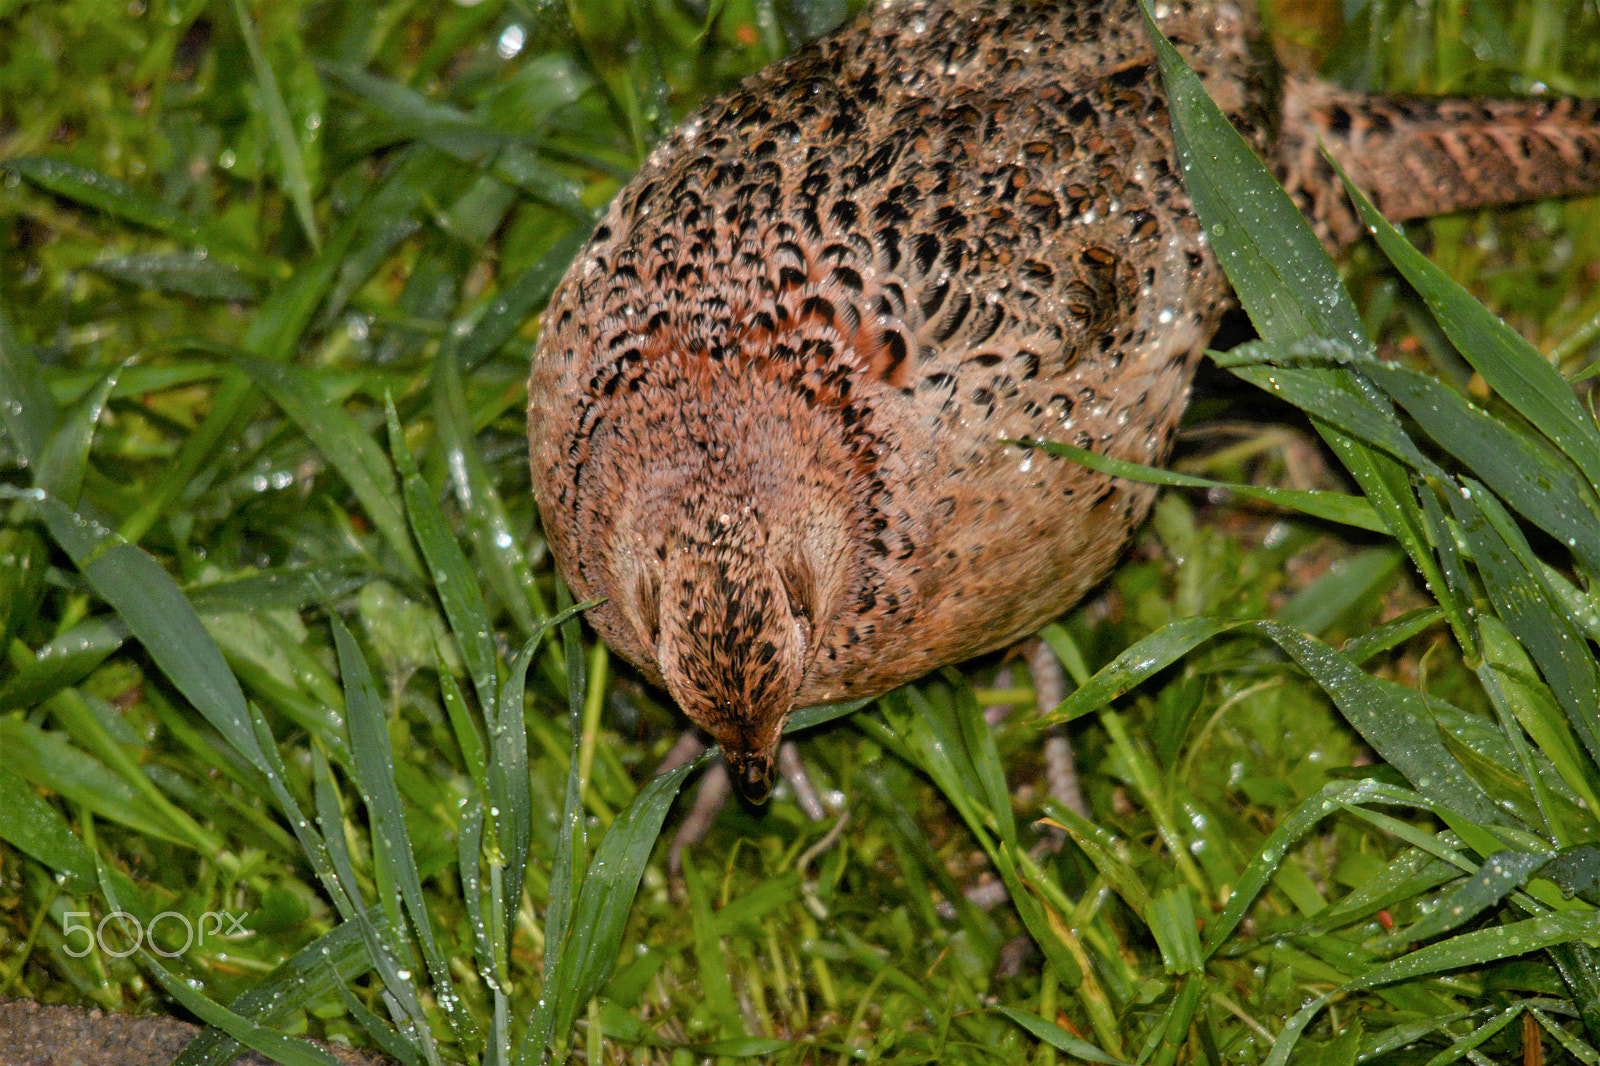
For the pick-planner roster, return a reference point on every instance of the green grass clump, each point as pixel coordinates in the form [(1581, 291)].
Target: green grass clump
[(282, 642)]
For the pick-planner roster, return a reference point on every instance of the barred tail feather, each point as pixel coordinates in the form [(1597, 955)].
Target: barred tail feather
[(1419, 156)]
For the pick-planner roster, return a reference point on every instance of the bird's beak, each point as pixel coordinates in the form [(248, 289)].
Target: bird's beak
[(752, 774)]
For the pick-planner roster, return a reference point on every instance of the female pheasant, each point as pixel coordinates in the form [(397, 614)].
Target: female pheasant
[(771, 402)]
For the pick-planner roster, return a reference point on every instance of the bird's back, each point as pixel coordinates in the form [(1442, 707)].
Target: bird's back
[(947, 226), (833, 295)]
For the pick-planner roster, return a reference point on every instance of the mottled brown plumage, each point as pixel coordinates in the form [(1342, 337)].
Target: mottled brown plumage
[(768, 410)]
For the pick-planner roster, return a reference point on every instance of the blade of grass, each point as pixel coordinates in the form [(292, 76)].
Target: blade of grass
[(1513, 685), (315, 970), (286, 1050), (1515, 585), (1511, 366), (1289, 288), (353, 453), (501, 554), (1059, 1038), (296, 180), (374, 775), (117, 198), (161, 618), (65, 661), (182, 274), (276, 588), (34, 827), (65, 461), (1392, 718), (1329, 506), (385, 946), (1276, 264), (511, 815), (545, 1029), (600, 915), (1327, 394), (1466, 950), (273, 334), (1500, 875), (508, 310), (1523, 471), (453, 580)]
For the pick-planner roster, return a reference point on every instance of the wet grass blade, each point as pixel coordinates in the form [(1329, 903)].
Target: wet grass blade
[(60, 664), (34, 827), (353, 453), (385, 946), (312, 972), (555, 997), (101, 192), (453, 580), (508, 311), (1527, 473), (1059, 1038), (1511, 366), (1363, 577), (1514, 581), (600, 915), (1277, 266), (1327, 393), (1500, 874), (469, 740), (1291, 292), (32, 413), (1513, 684), (806, 717), (510, 803), (1466, 950), (1253, 879), (1337, 507), (462, 136), (273, 334), (65, 460), (296, 179), (944, 736), (161, 618), (277, 588), (499, 552), (374, 774), (1391, 717), (287, 1050), (1523, 470), (184, 275)]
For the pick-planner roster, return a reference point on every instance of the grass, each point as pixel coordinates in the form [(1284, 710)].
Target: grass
[(275, 611)]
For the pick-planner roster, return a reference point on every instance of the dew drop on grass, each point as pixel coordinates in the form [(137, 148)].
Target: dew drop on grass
[(511, 41)]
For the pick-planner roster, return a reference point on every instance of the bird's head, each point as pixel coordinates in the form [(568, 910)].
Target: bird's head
[(739, 607), (734, 612)]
